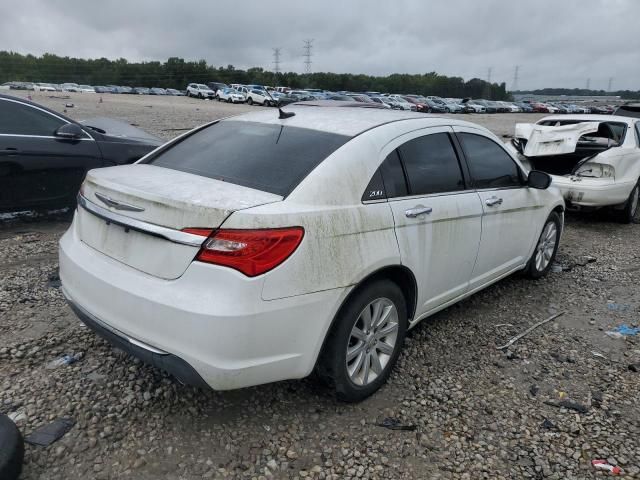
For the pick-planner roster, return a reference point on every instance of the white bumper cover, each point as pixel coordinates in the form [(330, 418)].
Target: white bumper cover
[(211, 317), (592, 192)]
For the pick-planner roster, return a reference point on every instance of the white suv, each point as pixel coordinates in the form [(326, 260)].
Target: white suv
[(310, 239), (260, 97), (200, 91)]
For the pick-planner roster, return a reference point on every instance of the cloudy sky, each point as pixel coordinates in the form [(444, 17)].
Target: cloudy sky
[(555, 42)]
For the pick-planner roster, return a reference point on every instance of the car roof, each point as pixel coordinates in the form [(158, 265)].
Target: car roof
[(591, 118), (342, 120)]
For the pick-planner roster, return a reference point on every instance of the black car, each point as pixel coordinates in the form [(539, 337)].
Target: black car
[(628, 110), (44, 155), (215, 86)]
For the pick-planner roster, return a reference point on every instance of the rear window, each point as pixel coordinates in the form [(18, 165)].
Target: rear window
[(271, 158)]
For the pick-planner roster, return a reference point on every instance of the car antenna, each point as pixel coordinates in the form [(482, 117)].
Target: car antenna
[(284, 114)]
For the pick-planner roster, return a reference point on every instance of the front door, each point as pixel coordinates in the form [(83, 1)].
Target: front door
[(511, 210), (38, 169)]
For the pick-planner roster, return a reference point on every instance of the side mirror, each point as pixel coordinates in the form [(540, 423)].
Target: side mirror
[(69, 131), (539, 180)]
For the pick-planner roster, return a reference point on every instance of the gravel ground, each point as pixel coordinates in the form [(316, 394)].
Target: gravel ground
[(477, 412)]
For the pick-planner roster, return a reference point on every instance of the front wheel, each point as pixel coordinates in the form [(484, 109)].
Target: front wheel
[(365, 341), (250, 101), (630, 210), (546, 248)]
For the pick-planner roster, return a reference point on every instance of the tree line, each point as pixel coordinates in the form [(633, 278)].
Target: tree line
[(178, 72), (625, 94)]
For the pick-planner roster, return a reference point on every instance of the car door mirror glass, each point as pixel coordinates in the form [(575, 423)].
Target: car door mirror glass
[(69, 131), (539, 180)]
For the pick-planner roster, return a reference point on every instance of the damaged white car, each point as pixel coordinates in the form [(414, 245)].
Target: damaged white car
[(593, 159)]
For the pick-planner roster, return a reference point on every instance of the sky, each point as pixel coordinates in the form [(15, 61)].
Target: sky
[(555, 43)]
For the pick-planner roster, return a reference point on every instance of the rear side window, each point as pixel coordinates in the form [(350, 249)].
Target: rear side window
[(638, 132), (388, 181), (490, 165), (19, 119), (271, 158), (431, 165)]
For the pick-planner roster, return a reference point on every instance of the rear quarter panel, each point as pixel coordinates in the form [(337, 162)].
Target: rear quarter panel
[(341, 245)]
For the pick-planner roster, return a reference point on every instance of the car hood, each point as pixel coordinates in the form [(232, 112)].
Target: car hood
[(119, 129), (543, 140)]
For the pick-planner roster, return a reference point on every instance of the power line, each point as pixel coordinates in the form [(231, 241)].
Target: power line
[(308, 46), (276, 60)]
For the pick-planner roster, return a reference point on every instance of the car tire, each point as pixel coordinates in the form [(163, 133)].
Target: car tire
[(351, 378), (447, 110), (11, 449), (632, 206), (250, 101), (546, 248)]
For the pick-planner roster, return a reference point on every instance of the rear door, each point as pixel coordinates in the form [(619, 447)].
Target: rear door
[(511, 211), (38, 169), (437, 219)]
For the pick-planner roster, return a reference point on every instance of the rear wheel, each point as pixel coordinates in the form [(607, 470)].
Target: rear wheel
[(629, 213), (11, 449), (365, 341), (546, 248)]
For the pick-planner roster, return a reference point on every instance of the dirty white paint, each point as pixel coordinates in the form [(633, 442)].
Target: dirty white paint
[(172, 198), (239, 331)]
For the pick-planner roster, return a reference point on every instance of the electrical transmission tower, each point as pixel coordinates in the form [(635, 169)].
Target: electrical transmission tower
[(588, 83), (514, 87), (487, 88), (276, 60), (308, 46), (610, 84)]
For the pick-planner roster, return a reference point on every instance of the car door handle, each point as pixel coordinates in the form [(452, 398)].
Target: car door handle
[(493, 201), (417, 211), (10, 150)]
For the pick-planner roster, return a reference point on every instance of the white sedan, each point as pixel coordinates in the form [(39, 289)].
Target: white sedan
[(593, 159), (230, 95), (312, 238)]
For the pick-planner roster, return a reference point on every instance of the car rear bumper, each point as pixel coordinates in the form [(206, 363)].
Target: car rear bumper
[(592, 192), (158, 358), (209, 326)]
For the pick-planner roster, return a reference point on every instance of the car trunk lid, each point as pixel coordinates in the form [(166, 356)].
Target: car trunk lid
[(544, 140), (135, 214)]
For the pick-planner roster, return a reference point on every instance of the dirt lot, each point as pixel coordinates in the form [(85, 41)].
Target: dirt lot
[(478, 412)]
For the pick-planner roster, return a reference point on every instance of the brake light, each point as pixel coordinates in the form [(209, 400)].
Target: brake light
[(252, 252)]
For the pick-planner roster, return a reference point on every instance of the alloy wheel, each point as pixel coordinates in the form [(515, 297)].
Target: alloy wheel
[(372, 341), (546, 246)]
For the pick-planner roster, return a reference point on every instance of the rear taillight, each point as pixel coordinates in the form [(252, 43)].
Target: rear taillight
[(252, 252)]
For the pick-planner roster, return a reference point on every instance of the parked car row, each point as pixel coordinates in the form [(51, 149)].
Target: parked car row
[(74, 87)]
